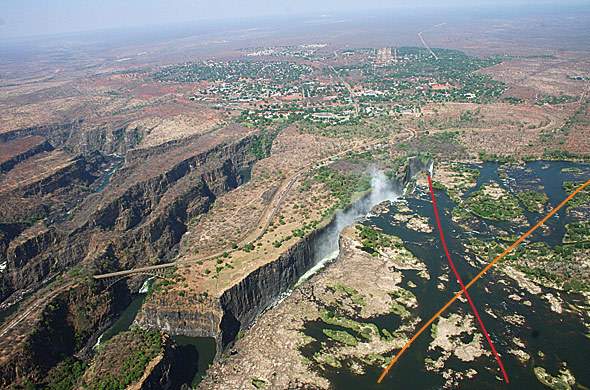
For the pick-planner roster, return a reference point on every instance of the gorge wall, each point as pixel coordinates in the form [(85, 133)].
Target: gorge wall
[(138, 219), (239, 306)]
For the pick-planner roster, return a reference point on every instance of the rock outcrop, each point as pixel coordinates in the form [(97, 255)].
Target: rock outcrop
[(239, 306), (141, 215), (8, 164), (66, 324)]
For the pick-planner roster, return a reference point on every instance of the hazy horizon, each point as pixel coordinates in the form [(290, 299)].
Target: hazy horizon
[(27, 18)]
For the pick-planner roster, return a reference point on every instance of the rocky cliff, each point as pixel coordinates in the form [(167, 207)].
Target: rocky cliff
[(140, 216), (8, 164), (246, 300), (66, 324), (186, 316), (239, 306), (81, 137), (243, 302)]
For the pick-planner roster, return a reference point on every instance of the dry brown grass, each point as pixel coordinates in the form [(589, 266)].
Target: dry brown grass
[(239, 216), (530, 76)]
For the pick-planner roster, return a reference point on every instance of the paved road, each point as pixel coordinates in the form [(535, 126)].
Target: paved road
[(271, 209), (349, 89), (426, 44), (265, 220)]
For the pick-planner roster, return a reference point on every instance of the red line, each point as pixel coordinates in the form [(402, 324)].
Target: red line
[(446, 249)]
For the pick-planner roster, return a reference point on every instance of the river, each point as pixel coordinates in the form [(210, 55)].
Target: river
[(193, 354), (551, 339)]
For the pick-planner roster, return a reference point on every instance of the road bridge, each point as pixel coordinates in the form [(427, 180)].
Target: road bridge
[(153, 270)]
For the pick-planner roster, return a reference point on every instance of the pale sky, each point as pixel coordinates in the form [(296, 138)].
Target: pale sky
[(41, 17)]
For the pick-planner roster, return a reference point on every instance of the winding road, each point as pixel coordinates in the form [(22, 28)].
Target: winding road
[(271, 209), (36, 305)]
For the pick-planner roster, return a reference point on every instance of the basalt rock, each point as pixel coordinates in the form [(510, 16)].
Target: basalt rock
[(10, 163), (68, 324), (142, 214), (239, 306), (80, 137)]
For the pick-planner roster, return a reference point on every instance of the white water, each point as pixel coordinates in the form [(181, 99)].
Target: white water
[(382, 189), (98, 341), (145, 286), (142, 290), (317, 268)]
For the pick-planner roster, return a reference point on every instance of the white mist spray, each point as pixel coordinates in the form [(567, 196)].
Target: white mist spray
[(382, 189)]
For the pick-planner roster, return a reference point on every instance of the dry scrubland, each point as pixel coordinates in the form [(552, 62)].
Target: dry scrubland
[(108, 164)]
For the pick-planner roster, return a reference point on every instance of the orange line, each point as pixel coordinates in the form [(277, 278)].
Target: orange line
[(479, 275)]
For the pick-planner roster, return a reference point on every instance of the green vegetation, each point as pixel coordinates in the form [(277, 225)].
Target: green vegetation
[(374, 359), (579, 117), (342, 123), (513, 100), (444, 144), (326, 358), (115, 371), (433, 330), (405, 81), (563, 381), (577, 232), (553, 267), (262, 143), (437, 185), (564, 155), (399, 310), (403, 295), (342, 186), (341, 336), (232, 71), (259, 383), (65, 375), (550, 99), (374, 240), (465, 178), (493, 157), (583, 197), (352, 293), (533, 201), (401, 300), (364, 330), (574, 170), (486, 206)]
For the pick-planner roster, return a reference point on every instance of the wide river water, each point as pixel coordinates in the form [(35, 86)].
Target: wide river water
[(560, 337), (551, 338)]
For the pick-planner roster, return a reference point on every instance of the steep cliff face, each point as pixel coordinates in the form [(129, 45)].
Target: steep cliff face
[(188, 316), (243, 302), (415, 166), (7, 165), (240, 305), (79, 172), (56, 133), (159, 374), (141, 216), (28, 245), (66, 325), (51, 192), (79, 137), (109, 138), (8, 231)]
